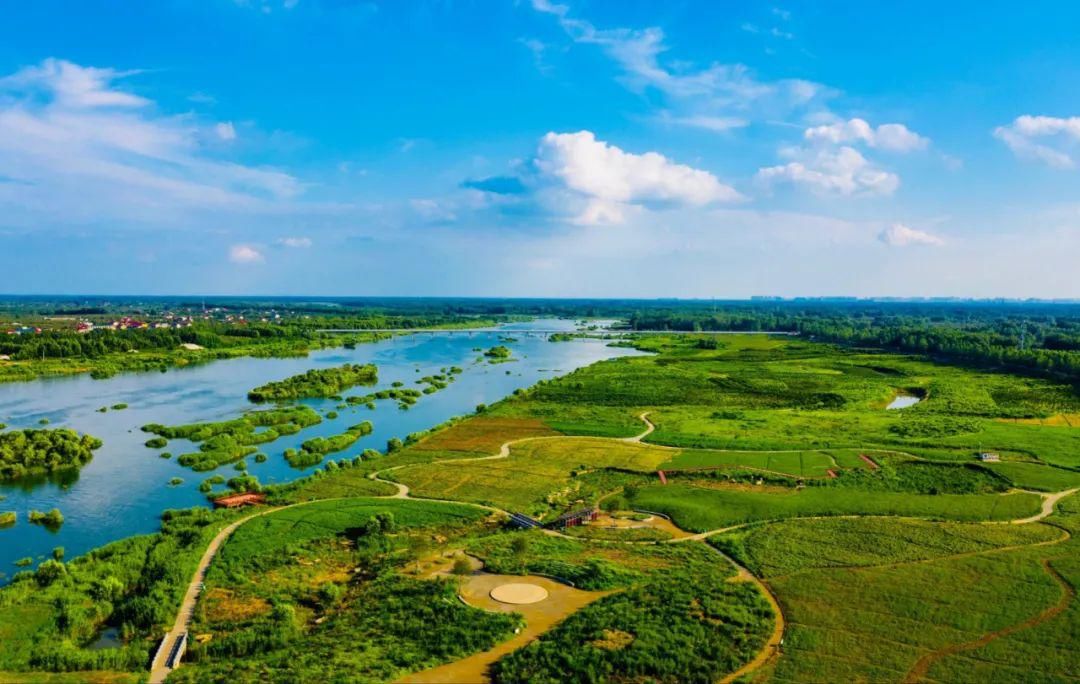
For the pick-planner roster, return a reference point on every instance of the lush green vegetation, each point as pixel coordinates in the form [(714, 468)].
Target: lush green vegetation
[(53, 518), (229, 441), (24, 452), (291, 588), (685, 622), (50, 616), (498, 354), (700, 509), (154, 335), (313, 450), (877, 530), (405, 397), (318, 382)]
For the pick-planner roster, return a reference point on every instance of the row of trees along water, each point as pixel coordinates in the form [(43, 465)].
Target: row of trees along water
[(1037, 340)]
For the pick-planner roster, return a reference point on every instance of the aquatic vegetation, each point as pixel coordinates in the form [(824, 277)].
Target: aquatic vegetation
[(404, 396), (498, 354), (228, 441), (7, 518), (313, 450), (54, 518), (24, 452), (157, 442), (325, 382)]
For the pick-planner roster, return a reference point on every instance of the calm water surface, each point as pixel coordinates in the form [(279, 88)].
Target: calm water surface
[(903, 401), (123, 490)]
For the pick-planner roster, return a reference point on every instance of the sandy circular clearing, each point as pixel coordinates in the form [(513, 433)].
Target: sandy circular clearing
[(519, 593)]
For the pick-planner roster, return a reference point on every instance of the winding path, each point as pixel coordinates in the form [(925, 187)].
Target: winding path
[(159, 671), (1068, 593)]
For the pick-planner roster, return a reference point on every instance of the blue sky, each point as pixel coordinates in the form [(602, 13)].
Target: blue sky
[(540, 148)]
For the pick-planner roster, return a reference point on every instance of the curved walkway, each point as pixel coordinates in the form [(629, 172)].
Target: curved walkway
[(1049, 500), (158, 668), (159, 671)]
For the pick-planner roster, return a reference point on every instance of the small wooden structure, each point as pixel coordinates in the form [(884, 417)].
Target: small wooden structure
[(575, 518), (238, 500)]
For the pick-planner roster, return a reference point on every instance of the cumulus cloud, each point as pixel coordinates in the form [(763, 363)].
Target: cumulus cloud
[(612, 179), (82, 145), (892, 137), (295, 242), (839, 172), (244, 254), (1021, 134), (899, 235)]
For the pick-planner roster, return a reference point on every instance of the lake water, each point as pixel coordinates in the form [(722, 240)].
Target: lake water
[(123, 490), (903, 401)]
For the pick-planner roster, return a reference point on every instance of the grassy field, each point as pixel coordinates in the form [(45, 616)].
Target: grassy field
[(677, 616), (886, 568), (540, 477), (701, 509), (311, 592)]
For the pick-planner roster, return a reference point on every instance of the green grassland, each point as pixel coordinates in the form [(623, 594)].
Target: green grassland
[(679, 618), (540, 477), (315, 591), (791, 546), (880, 567), (866, 600), (701, 509)]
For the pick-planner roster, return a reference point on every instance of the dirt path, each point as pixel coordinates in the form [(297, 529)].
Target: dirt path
[(1049, 501), (562, 602), (475, 666), (1068, 593)]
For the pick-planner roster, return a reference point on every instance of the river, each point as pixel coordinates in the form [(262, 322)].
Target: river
[(124, 489)]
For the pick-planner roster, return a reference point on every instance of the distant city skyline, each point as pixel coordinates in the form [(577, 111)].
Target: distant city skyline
[(536, 148)]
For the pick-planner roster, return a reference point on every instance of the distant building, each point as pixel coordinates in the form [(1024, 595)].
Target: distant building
[(238, 500), (575, 518), (989, 457)]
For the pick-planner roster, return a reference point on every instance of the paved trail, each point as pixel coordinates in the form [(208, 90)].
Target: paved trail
[(158, 668)]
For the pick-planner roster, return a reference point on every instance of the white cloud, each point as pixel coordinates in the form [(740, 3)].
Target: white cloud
[(74, 86), (225, 130), (844, 172), (433, 210), (244, 254), (295, 242), (83, 148), (611, 179), (718, 124), (899, 235), (892, 137), (1020, 134), (638, 52)]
